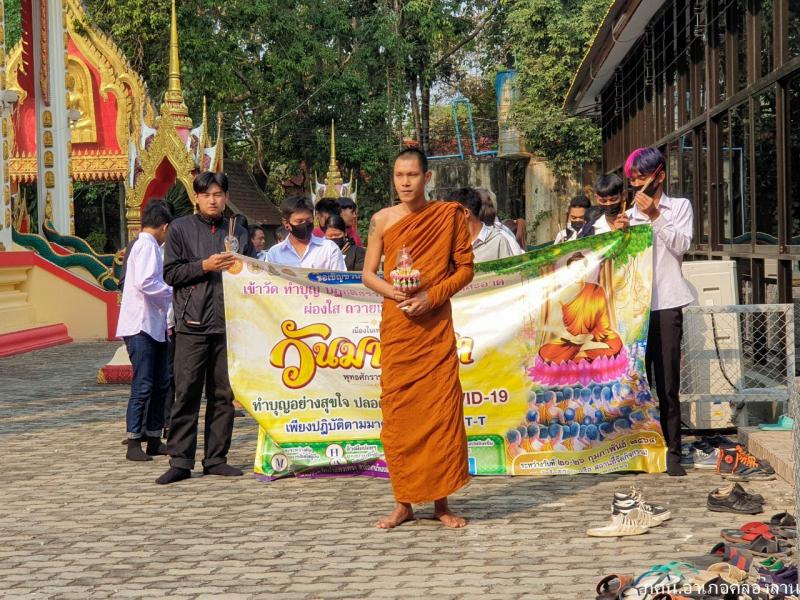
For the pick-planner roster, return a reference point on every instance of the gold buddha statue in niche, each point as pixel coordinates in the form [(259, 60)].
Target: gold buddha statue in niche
[(81, 99)]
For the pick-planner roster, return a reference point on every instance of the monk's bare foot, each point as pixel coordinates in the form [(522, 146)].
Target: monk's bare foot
[(442, 513), (450, 520), (400, 514)]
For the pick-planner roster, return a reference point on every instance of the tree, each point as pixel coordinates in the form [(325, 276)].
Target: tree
[(433, 35), (548, 39)]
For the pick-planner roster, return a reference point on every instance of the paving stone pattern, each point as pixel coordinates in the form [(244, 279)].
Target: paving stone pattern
[(79, 521)]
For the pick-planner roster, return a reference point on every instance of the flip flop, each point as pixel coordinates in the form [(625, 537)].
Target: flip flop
[(649, 583), (772, 564), (723, 552), (762, 546), (785, 423), (783, 519), (747, 532), (610, 586), (728, 573)]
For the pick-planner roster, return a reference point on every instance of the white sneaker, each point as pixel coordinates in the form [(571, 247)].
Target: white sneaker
[(624, 503), (634, 522)]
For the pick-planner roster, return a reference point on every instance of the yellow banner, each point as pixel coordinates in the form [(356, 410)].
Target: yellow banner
[(551, 346)]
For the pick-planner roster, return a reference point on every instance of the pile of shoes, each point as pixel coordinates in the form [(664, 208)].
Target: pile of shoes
[(704, 453), (631, 515), (755, 562), (733, 498)]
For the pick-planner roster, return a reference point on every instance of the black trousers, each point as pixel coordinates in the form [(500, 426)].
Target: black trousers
[(663, 364), (199, 360), (169, 400)]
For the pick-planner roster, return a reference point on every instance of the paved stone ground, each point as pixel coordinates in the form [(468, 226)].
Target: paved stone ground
[(78, 521)]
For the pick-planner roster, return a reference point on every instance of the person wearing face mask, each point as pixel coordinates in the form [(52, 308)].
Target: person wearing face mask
[(671, 220), (608, 194), (336, 231), (576, 219), (301, 248)]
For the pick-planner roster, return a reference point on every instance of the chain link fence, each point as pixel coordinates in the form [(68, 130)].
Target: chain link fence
[(734, 355)]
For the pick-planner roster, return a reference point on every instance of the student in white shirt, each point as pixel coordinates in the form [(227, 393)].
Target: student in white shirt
[(671, 220), (143, 325), (488, 243), (608, 190), (301, 248), (489, 217), (258, 240), (576, 219)]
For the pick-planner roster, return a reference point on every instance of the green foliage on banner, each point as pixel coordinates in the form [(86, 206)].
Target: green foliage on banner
[(624, 245)]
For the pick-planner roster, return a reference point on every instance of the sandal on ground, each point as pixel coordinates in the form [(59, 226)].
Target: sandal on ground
[(723, 552), (771, 564), (783, 519), (650, 583), (785, 423), (610, 586), (762, 546), (747, 532)]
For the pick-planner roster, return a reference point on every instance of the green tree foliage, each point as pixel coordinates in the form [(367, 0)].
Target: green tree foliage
[(280, 71), (549, 38), (13, 23)]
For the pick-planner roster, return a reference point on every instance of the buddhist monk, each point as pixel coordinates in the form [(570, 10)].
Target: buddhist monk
[(424, 438), (588, 333)]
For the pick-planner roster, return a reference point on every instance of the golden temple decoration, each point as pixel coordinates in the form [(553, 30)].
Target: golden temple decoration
[(48, 207), (219, 158), (47, 118), (48, 159), (44, 54), (81, 99), (116, 79), (173, 98), (85, 167), (334, 177), (49, 179), (165, 145)]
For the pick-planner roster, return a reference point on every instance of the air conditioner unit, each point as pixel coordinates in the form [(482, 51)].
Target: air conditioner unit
[(711, 362)]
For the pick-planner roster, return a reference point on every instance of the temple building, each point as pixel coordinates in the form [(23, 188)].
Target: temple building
[(714, 84)]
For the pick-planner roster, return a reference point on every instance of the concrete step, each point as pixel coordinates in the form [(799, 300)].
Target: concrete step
[(773, 446)]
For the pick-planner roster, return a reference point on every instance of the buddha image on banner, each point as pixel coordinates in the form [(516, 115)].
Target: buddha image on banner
[(550, 345)]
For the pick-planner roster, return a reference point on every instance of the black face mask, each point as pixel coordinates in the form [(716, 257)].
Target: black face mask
[(302, 232), (577, 225), (650, 190), (339, 241), (612, 210)]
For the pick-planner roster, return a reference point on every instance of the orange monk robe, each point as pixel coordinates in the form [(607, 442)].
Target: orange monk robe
[(424, 438), (587, 313)]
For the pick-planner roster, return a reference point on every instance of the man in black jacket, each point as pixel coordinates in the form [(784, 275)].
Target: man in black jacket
[(195, 257)]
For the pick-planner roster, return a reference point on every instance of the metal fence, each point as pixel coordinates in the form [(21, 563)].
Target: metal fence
[(735, 355), (738, 353)]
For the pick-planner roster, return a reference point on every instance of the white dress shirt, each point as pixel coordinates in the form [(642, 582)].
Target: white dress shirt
[(672, 236), (561, 236), (319, 254), (509, 235), (491, 244), (145, 296)]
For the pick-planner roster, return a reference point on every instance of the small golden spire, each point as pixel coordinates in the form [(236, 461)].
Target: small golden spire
[(220, 154), (334, 176), (173, 99), (205, 138)]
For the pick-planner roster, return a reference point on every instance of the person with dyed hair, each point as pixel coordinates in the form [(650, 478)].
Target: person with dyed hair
[(671, 220)]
